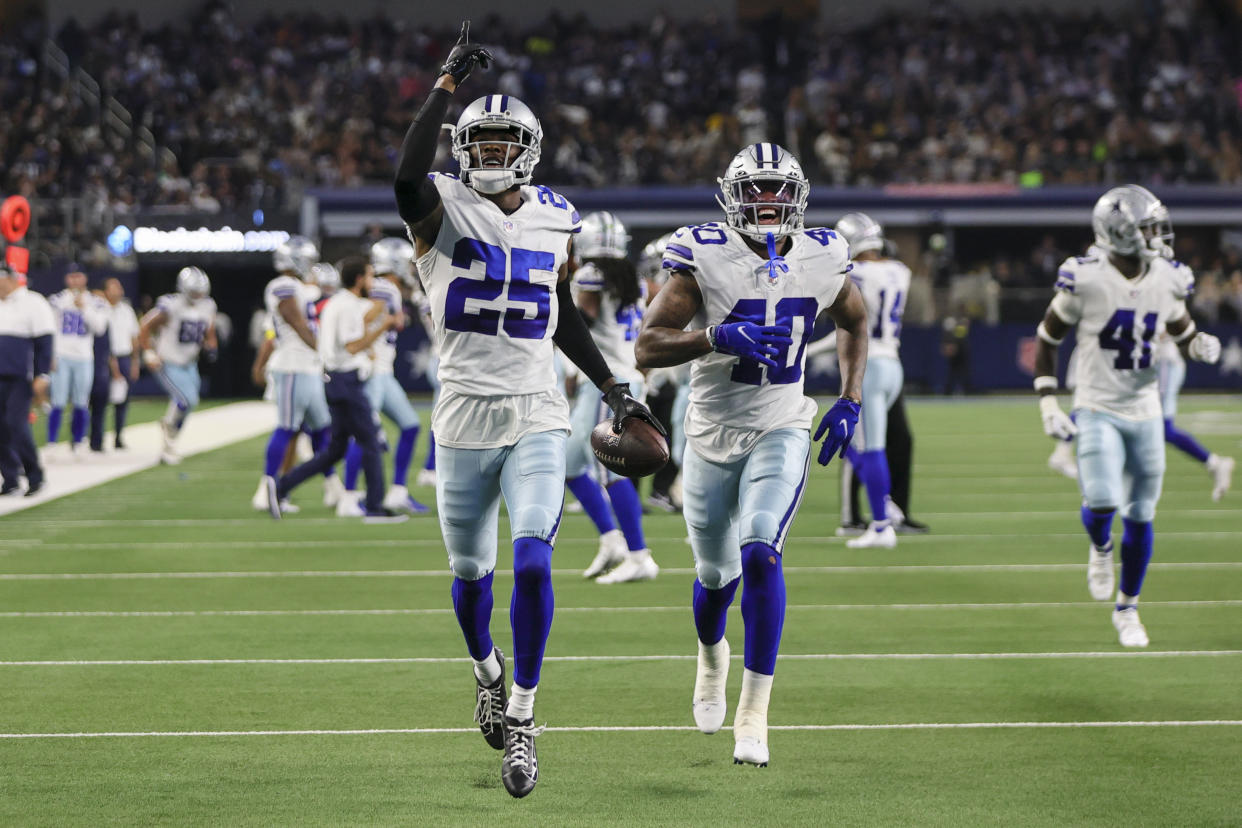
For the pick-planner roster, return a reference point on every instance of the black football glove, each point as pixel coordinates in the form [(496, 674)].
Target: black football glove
[(465, 55), (623, 405)]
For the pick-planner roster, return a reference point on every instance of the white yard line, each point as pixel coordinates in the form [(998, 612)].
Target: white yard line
[(423, 731), (502, 610), (216, 662), (206, 430), (443, 573)]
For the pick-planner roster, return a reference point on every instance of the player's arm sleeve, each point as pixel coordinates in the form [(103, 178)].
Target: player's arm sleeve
[(1067, 304), (574, 339), (416, 195)]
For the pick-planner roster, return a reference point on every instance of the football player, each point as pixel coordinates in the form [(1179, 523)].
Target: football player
[(392, 261), (185, 322), (753, 288), (1120, 296), (1171, 370), (884, 284), (610, 298), (294, 368), (80, 317), (492, 257)]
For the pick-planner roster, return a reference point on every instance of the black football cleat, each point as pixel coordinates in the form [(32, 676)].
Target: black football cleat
[(520, 768), (33, 489), (9, 488), (489, 706)]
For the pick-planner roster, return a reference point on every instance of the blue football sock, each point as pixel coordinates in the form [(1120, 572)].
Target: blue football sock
[(53, 424), (430, 465), (629, 511), (404, 454), (353, 464), (1099, 527), (1182, 440), (277, 445), (591, 495), (873, 469), (1136, 548), (711, 610), (80, 419), (763, 606), (530, 609), (472, 603)]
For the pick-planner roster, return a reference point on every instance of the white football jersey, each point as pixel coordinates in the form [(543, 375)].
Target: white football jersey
[(491, 280), (181, 338), (385, 348), (885, 285), (616, 328), (291, 355), (1118, 320), (734, 402), (76, 328)]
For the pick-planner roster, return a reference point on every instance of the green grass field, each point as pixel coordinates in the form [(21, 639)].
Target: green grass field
[(211, 639)]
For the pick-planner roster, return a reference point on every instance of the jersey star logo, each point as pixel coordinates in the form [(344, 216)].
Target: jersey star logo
[(1231, 357)]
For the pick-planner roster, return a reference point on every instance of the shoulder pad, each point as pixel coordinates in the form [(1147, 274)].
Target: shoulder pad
[(548, 196), (282, 287), (1067, 273)]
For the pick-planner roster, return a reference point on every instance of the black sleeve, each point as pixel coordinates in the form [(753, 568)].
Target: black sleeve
[(416, 195), (573, 338), (42, 347)]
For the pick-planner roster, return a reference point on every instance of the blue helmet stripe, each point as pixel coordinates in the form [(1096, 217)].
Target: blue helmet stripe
[(776, 155), (504, 103)]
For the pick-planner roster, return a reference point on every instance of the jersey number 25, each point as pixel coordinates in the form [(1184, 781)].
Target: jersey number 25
[(497, 270)]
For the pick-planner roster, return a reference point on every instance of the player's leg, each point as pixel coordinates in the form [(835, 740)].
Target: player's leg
[(900, 449), (532, 480), (710, 502), (395, 405), (17, 395), (288, 421), (1172, 377), (582, 478), (468, 498), (81, 377), (1144, 471), (342, 418), (10, 466), (317, 422), (771, 488), (661, 404), (1101, 460), (881, 385), (349, 504), (638, 564), (181, 384), (59, 398), (121, 410), (101, 386)]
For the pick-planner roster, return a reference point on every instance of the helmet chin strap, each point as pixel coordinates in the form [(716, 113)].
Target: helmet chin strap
[(775, 262), (492, 181)]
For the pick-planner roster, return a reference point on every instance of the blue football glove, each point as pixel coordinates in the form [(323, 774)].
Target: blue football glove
[(747, 340), (839, 424)]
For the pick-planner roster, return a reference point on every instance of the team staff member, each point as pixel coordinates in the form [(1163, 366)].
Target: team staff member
[(344, 341), (122, 367), (26, 328)]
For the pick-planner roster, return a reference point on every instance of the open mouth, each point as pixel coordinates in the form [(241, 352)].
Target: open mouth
[(493, 162), (768, 215)]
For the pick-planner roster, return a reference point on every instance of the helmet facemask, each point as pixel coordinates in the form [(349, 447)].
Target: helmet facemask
[(758, 205), (495, 157), (1157, 232)]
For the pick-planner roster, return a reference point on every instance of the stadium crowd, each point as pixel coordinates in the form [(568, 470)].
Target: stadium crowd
[(253, 111)]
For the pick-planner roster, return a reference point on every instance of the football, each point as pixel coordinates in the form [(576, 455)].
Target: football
[(639, 450)]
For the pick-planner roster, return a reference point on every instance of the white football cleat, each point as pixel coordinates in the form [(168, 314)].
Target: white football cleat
[(333, 488), (637, 566), (876, 536), (288, 507), (750, 738), (709, 704), (302, 448), (398, 499), (169, 457), (1130, 630), (573, 507), (259, 501), (611, 552), (426, 477), (1222, 475), (1100, 579), (1062, 460), (349, 505)]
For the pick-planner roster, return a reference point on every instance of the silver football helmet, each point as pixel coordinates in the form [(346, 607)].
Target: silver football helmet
[(326, 276), (295, 254), (861, 231), (193, 283), (651, 260), (506, 162), (764, 191), (603, 236), (395, 256), (1130, 221)]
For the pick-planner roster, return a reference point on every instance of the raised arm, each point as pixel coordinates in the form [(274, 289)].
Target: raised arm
[(418, 201)]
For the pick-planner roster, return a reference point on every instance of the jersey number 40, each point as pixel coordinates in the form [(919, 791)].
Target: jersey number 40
[(789, 311), (498, 269)]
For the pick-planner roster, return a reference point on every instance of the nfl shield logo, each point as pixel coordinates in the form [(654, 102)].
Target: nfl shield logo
[(507, 226)]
